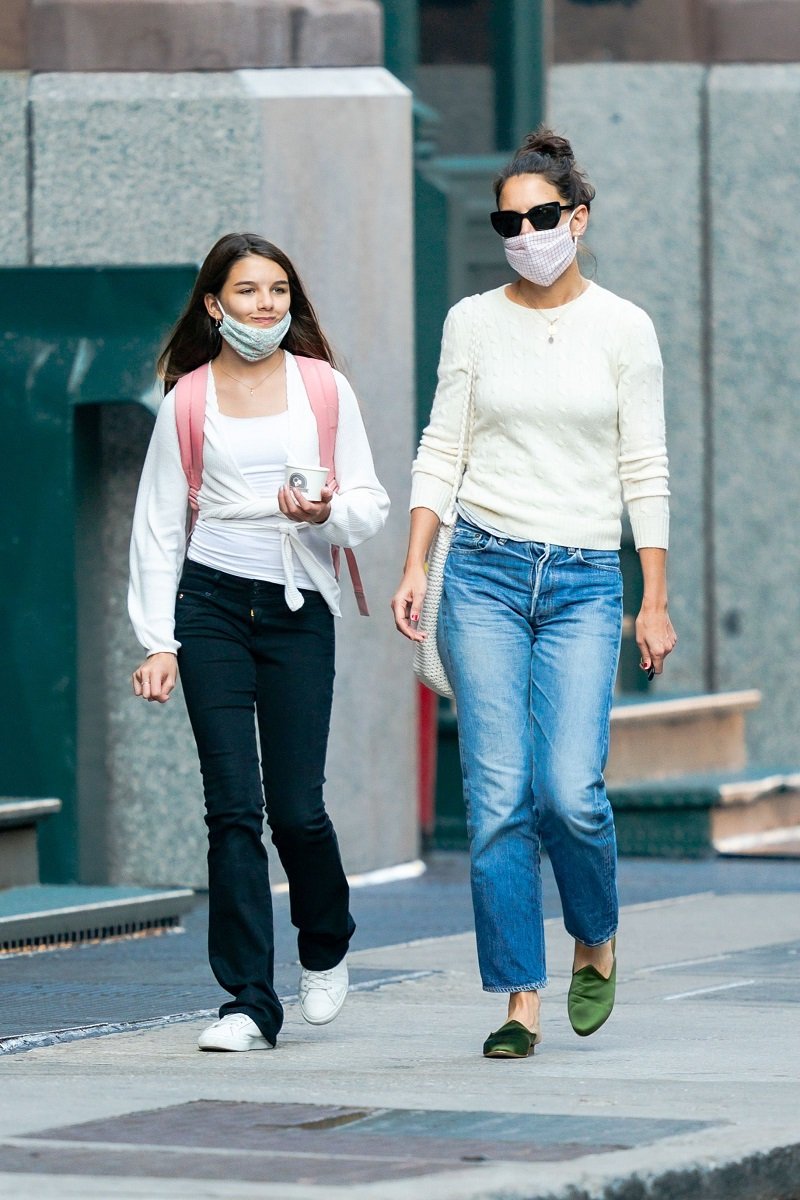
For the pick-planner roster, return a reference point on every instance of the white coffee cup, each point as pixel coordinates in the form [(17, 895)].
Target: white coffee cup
[(309, 481)]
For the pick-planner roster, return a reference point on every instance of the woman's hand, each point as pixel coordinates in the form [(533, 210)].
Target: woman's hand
[(407, 602), (155, 679), (294, 505), (655, 637)]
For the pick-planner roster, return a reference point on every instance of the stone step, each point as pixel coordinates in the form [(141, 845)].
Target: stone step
[(654, 739), (55, 916), (19, 816), (751, 811), (665, 738), (783, 842)]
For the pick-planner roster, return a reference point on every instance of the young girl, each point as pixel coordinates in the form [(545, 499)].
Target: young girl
[(246, 611), (567, 423)]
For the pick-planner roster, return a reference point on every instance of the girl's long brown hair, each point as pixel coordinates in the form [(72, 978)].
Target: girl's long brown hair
[(195, 339)]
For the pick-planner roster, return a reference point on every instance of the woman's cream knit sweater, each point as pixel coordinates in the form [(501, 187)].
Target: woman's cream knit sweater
[(562, 432)]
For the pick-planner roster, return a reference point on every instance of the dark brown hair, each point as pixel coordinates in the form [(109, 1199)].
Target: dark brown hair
[(195, 338), (545, 153)]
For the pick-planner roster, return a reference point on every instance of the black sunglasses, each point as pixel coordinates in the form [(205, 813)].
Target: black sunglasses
[(542, 216)]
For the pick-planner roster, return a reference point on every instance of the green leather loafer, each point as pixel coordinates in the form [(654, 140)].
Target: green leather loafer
[(511, 1040), (591, 997)]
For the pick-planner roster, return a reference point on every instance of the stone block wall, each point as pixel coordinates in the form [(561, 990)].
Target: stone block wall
[(753, 31), (645, 31), (14, 168), (639, 137), (188, 35), (134, 168), (710, 31), (144, 168), (678, 153), (754, 145), (14, 35)]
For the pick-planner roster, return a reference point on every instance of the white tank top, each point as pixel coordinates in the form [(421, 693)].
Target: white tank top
[(259, 446)]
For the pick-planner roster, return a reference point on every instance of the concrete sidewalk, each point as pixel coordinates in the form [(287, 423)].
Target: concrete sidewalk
[(691, 1090)]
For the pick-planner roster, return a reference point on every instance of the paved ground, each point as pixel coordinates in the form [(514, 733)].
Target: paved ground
[(148, 978), (692, 1090)]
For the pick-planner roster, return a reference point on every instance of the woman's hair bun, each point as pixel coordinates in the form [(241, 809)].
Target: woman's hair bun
[(547, 154), (544, 141)]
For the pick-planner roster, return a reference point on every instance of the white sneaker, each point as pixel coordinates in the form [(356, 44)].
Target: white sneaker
[(236, 1031), (322, 993)]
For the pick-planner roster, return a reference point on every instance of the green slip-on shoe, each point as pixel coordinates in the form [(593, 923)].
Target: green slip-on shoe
[(512, 1040), (591, 997)]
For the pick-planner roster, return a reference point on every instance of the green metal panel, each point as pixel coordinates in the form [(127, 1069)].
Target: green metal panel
[(70, 336), (520, 41), (631, 678), (401, 38)]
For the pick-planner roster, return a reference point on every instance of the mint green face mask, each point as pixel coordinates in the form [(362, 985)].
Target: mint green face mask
[(248, 341)]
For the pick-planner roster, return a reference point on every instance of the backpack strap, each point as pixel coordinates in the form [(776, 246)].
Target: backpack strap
[(323, 396), (357, 582), (190, 416)]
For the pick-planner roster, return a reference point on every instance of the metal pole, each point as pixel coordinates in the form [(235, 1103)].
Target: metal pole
[(521, 31), (401, 38)]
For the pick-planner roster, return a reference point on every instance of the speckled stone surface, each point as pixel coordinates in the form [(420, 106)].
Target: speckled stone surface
[(13, 168), (141, 168), (14, 35), (159, 35), (354, 131), (355, 128), (154, 830), (755, 143), (636, 130), (337, 33)]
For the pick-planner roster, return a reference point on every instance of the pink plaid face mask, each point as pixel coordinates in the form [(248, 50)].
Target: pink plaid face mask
[(544, 255)]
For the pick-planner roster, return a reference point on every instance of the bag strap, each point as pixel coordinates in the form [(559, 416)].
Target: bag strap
[(465, 432), (190, 416), (323, 396)]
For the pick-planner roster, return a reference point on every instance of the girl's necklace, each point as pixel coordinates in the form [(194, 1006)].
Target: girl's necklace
[(255, 386)]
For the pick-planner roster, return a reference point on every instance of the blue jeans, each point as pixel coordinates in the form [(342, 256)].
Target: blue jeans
[(529, 634)]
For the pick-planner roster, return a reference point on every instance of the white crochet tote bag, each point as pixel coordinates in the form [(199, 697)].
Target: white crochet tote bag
[(427, 663)]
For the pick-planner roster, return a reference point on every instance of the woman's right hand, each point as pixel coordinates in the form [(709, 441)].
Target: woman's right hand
[(407, 602), (155, 679)]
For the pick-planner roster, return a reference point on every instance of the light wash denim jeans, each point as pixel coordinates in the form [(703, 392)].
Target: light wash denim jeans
[(529, 634)]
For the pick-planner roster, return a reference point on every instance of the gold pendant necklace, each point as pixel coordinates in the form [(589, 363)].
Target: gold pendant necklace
[(255, 386), (551, 321), (551, 324)]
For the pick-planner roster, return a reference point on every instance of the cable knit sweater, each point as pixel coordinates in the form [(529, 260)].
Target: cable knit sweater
[(562, 431)]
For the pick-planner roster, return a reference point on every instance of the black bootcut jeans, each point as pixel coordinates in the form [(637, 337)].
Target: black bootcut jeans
[(244, 652)]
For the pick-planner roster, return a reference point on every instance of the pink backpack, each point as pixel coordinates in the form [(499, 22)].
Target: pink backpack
[(190, 415)]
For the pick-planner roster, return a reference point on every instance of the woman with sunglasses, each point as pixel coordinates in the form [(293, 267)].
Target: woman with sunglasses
[(567, 423), (246, 610)]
